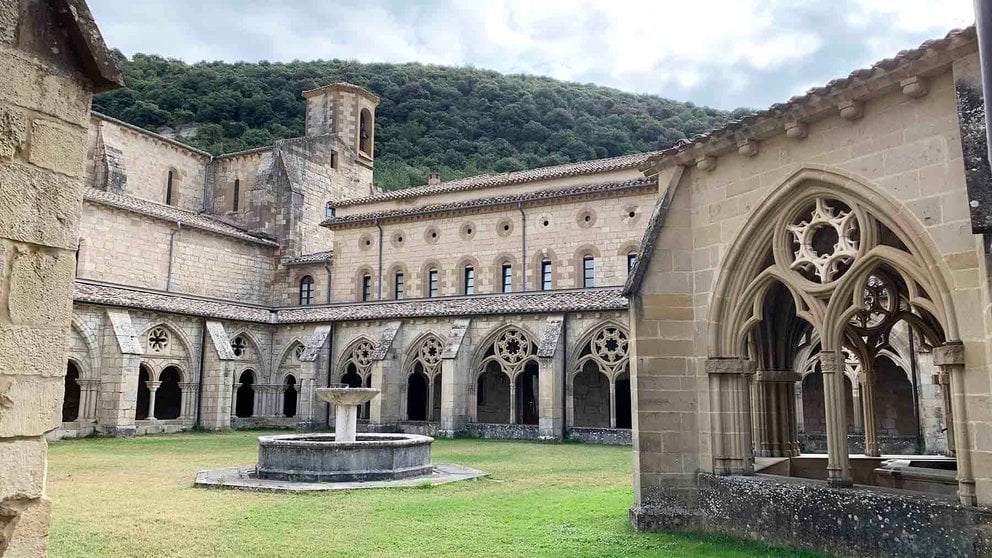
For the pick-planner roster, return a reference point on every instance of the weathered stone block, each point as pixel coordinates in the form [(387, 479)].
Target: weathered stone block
[(33, 351), (40, 287), (39, 207), (8, 21), (57, 147), (29, 405), (23, 462), (26, 532), (13, 131)]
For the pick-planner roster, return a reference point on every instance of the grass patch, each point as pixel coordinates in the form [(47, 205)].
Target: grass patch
[(134, 497)]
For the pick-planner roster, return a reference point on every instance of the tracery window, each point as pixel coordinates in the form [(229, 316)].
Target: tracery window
[(428, 354), (512, 349), (609, 348), (298, 352), (825, 240), (158, 340), (238, 346), (361, 356)]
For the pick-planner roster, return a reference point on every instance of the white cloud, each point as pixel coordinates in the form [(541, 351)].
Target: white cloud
[(721, 52)]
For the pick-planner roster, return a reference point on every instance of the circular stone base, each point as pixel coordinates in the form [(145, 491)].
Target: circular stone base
[(319, 458)]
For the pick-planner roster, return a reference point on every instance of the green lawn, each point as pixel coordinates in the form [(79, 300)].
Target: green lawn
[(134, 497)]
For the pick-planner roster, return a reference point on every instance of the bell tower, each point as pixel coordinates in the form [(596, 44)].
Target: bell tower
[(346, 111)]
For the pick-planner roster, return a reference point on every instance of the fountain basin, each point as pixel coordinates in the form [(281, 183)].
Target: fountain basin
[(320, 458)]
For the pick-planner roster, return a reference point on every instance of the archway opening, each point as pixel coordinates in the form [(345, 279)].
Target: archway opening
[(70, 401), (623, 401), (289, 397), (894, 414), (416, 394), (492, 396), (527, 394), (244, 406), (143, 396), (591, 397), (169, 396)]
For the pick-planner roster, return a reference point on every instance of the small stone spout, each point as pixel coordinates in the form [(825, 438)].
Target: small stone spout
[(346, 401)]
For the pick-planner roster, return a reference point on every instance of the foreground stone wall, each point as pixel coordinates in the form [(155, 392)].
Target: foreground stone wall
[(44, 107)]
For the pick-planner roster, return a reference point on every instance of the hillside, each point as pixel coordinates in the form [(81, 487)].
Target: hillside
[(458, 121)]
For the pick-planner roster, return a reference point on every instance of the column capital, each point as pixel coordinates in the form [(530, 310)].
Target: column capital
[(949, 354), (152, 386), (728, 365), (829, 363), (777, 376)]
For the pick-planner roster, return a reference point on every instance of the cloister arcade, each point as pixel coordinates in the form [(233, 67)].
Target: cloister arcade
[(817, 313)]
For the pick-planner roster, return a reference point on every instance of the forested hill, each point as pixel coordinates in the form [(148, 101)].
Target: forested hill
[(457, 121)]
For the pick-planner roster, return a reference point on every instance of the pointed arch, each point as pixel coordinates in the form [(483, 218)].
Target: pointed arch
[(482, 358), (176, 333)]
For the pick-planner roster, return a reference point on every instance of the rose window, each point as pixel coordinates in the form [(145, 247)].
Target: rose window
[(825, 240), (512, 346), (363, 355), (238, 346), (158, 340), (430, 352), (610, 344)]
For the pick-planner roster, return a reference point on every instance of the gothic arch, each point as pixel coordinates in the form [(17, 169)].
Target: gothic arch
[(357, 352), (613, 362), (175, 333), (420, 351), (512, 359), (88, 362)]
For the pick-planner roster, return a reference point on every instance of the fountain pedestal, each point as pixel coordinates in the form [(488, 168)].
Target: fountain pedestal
[(346, 403)]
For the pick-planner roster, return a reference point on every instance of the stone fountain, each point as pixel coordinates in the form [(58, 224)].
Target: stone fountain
[(344, 455), (341, 461)]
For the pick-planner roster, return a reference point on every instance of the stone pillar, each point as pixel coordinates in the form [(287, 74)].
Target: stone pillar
[(613, 403), (800, 425), (386, 373), (89, 390), (52, 59), (730, 416), (188, 396), (838, 460), (944, 381), (513, 400), (775, 420), (950, 358), (458, 382), (152, 394), (868, 406), (430, 397), (551, 379), (857, 402)]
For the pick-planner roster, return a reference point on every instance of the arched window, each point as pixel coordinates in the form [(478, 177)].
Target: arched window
[(168, 189), (506, 277), (603, 361), (365, 132), (546, 276), (289, 397), (366, 288), (631, 260), (169, 396), (328, 211), (143, 397), (244, 403), (588, 272), (306, 290), (469, 280), (237, 195), (70, 401), (432, 283), (509, 360)]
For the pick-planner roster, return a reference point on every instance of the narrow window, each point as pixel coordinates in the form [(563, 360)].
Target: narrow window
[(306, 290), (588, 272), (237, 194), (469, 280), (432, 283), (334, 160), (546, 275), (366, 288), (399, 285), (631, 260), (507, 278), (328, 211), (168, 189), (365, 132)]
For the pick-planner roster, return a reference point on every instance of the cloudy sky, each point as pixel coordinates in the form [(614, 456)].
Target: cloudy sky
[(722, 53)]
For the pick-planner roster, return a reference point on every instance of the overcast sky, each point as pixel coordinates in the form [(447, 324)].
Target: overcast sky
[(721, 53)]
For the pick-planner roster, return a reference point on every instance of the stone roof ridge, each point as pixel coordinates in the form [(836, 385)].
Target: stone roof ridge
[(94, 56), (314, 257), (171, 213), (799, 107), (342, 85), (489, 180), (494, 201)]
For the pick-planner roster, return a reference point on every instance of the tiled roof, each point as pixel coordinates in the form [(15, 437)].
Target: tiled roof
[(601, 299), (817, 100), (131, 297), (495, 201), (316, 257), (490, 180), (587, 300), (170, 213)]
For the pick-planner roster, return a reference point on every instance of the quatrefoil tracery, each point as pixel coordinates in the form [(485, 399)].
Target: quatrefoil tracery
[(158, 340), (825, 241)]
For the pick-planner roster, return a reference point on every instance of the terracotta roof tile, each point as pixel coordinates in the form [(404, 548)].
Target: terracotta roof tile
[(316, 257)]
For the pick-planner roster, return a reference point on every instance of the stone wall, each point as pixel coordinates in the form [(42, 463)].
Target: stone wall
[(44, 106)]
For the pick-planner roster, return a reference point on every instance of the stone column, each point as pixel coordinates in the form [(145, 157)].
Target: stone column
[(613, 403), (838, 460), (550, 401), (944, 381), (430, 397), (234, 398), (458, 381), (775, 422), (89, 389), (187, 396), (730, 416), (868, 406), (950, 358), (857, 401), (798, 394), (513, 400), (152, 393)]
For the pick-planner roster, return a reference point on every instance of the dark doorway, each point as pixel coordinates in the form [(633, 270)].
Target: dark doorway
[(623, 401), (436, 411), (527, 393), (70, 401), (492, 396), (289, 397), (245, 405), (141, 404), (416, 394), (169, 397)]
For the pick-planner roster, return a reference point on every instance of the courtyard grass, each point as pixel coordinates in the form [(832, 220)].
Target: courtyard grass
[(135, 497)]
